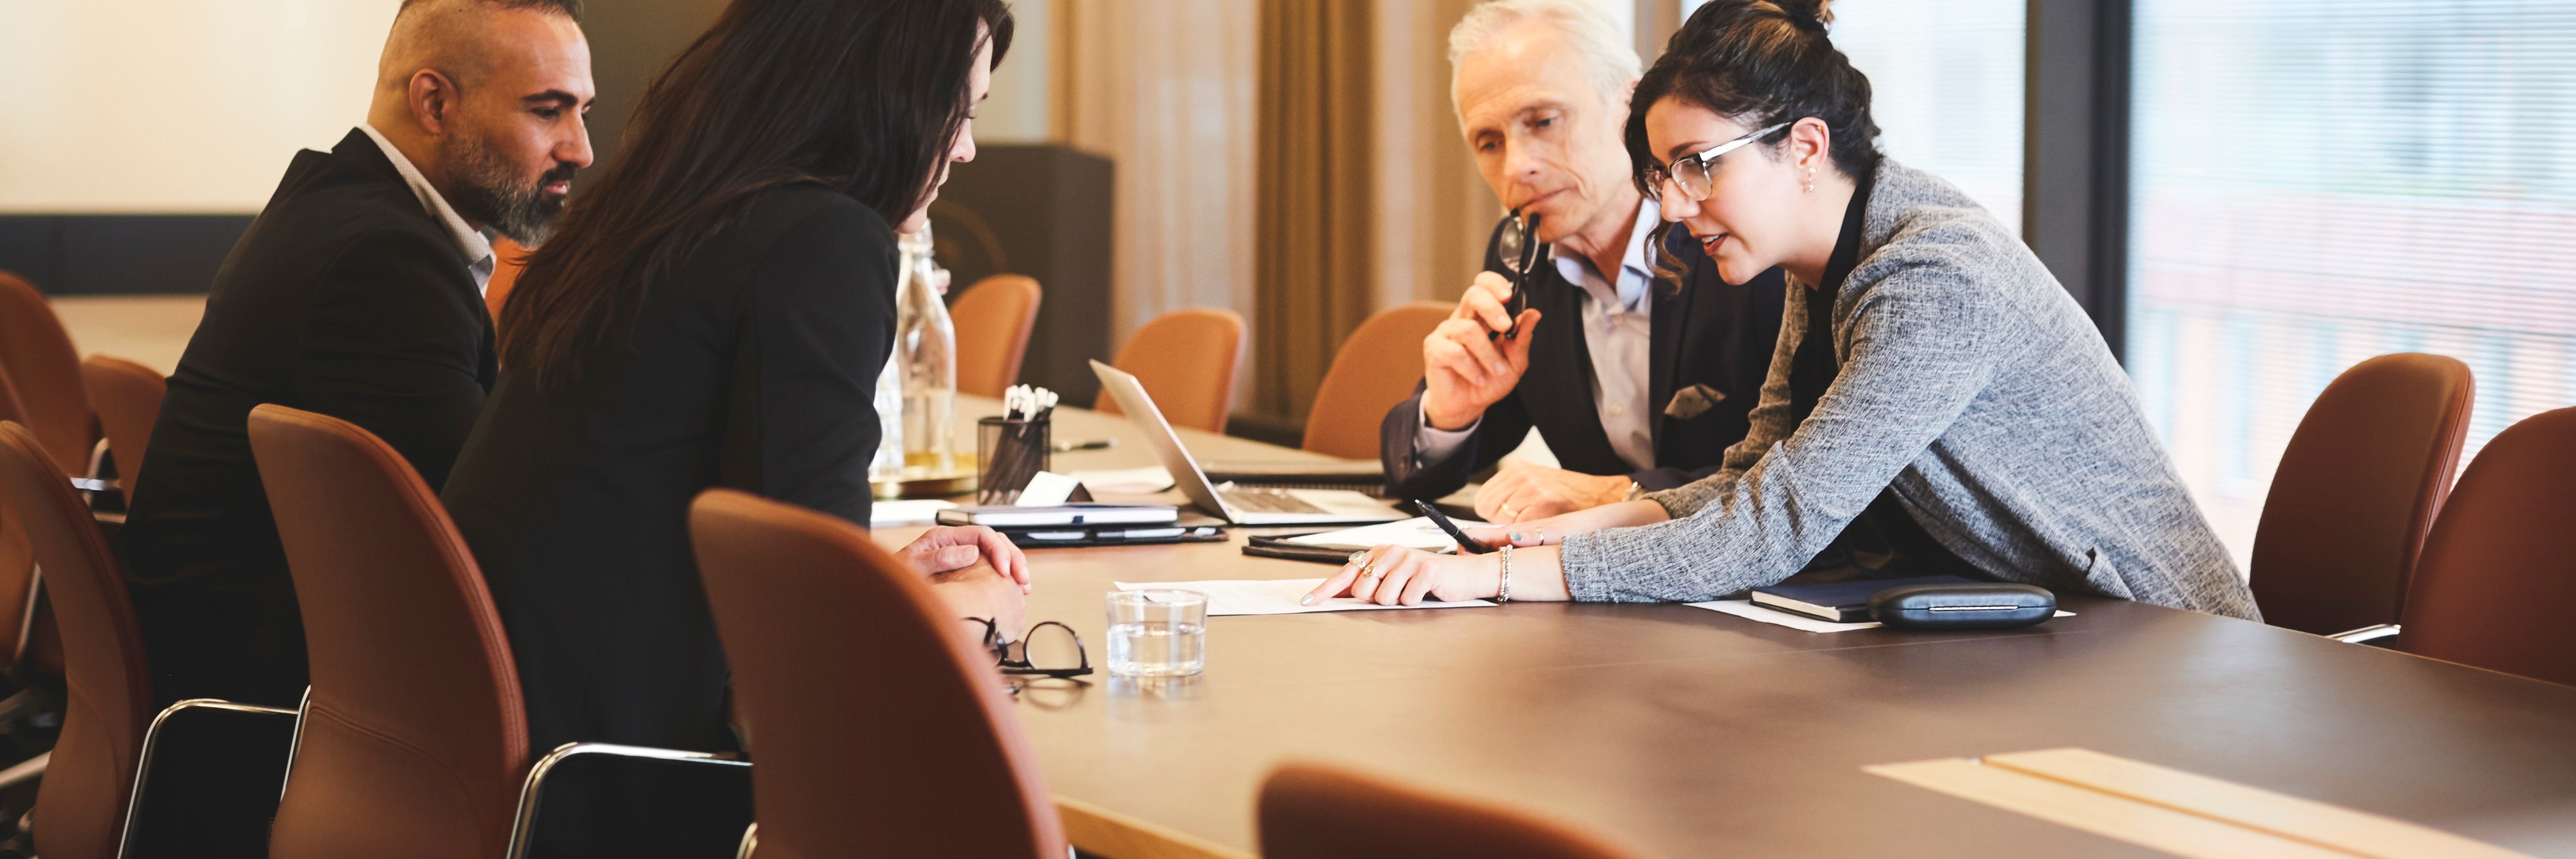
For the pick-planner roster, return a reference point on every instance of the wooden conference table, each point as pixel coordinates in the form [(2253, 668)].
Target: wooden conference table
[(1691, 733)]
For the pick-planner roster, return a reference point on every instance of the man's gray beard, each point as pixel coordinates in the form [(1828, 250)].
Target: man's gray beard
[(484, 186)]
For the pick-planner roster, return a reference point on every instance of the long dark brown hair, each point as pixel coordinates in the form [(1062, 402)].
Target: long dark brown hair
[(864, 96)]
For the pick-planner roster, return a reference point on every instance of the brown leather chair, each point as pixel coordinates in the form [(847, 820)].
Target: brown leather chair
[(2496, 582), (1314, 811), (1185, 359), (416, 740), (2357, 491), (881, 726), (17, 557), (508, 260), (89, 799), (128, 396), (993, 320), (37, 353), (1376, 368)]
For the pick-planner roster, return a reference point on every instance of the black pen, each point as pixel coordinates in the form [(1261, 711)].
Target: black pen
[(1464, 545)]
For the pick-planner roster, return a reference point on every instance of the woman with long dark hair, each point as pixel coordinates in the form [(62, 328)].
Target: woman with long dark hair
[(1937, 404), (714, 312)]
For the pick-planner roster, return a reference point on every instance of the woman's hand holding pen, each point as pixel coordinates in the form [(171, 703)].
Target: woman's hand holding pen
[(1466, 367), (1554, 529)]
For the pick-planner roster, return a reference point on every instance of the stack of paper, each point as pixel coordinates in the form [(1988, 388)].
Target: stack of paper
[(1276, 596), (1125, 481), (906, 512)]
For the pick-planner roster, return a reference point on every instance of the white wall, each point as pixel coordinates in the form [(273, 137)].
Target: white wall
[(175, 106)]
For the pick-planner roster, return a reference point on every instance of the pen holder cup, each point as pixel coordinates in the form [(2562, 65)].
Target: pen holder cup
[(1011, 452)]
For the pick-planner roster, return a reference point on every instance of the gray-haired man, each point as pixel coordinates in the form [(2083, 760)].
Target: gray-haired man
[(1635, 381)]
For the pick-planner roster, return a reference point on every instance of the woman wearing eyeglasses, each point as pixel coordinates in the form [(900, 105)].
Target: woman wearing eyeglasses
[(1936, 398)]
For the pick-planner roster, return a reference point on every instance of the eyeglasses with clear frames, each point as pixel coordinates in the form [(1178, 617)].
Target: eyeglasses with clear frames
[(1690, 173)]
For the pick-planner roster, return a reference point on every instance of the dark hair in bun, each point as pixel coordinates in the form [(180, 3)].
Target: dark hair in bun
[(1761, 63)]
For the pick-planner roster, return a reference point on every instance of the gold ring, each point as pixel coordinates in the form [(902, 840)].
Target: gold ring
[(1359, 556), (1369, 571)]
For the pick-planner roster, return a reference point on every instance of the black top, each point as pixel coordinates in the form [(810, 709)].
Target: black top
[(1707, 332), (753, 365), (345, 297)]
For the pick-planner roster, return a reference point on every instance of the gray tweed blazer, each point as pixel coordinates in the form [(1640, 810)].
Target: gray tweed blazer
[(1973, 386)]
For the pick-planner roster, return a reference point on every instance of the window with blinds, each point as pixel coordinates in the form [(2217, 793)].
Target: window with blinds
[(1946, 88), (2315, 182)]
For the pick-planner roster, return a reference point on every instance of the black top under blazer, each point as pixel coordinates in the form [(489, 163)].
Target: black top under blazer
[(753, 365), (345, 297), (1707, 332)]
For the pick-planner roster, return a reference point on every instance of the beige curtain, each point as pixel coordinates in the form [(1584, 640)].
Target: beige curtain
[(1434, 211), (1313, 244), (1164, 88)]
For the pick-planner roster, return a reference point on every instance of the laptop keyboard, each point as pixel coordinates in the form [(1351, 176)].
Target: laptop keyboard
[(1268, 501)]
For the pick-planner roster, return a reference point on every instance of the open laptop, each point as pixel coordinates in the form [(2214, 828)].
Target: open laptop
[(1237, 504)]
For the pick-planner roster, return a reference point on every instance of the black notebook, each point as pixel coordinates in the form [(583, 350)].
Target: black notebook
[(1840, 602)]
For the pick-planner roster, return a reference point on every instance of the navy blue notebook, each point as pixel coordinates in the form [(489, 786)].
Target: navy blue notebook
[(1840, 602)]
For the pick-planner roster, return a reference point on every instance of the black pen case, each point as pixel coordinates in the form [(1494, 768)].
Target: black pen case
[(1978, 605)]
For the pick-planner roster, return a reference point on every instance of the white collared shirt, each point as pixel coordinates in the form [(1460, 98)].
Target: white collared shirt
[(1618, 332), (476, 245)]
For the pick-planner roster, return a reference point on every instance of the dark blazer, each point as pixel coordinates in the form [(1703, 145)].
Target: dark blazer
[(753, 365), (345, 297), (1708, 332)]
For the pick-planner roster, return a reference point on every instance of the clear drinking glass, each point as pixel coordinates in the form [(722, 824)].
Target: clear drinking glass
[(1157, 633)]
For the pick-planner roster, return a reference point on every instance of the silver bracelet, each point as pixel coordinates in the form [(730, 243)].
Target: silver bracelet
[(1505, 594)]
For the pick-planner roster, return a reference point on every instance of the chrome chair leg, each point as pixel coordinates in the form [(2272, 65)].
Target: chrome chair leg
[(302, 709), (151, 742), (532, 793), (25, 771), (2368, 634)]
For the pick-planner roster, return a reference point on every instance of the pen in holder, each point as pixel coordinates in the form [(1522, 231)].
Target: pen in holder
[(1012, 451)]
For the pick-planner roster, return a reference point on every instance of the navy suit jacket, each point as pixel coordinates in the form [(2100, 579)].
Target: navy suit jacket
[(1707, 332)]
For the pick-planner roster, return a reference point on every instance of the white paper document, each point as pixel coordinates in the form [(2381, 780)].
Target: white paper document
[(1277, 596), (1747, 610), (1125, 481), (1046, 489), (1414, 533), (907, 512)]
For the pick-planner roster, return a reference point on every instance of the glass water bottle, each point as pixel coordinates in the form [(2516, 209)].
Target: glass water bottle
[(926, 349)]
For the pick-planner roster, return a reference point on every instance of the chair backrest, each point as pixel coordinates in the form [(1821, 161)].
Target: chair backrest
[(1185, 359), (17, 556), (1315, 811), (508, 260), (128, 396), (37, 353), (880, 727), (414, 740), (80, 814), (993, 320), (2496, 582), (1376, 369), (2357, 491)]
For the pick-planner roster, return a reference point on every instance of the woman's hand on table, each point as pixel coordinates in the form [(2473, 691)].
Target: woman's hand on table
[(1553, 530), (945, 548), (1395, 575)]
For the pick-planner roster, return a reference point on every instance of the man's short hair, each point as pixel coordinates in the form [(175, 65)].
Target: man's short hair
[(567, 8), (1608, 55)]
